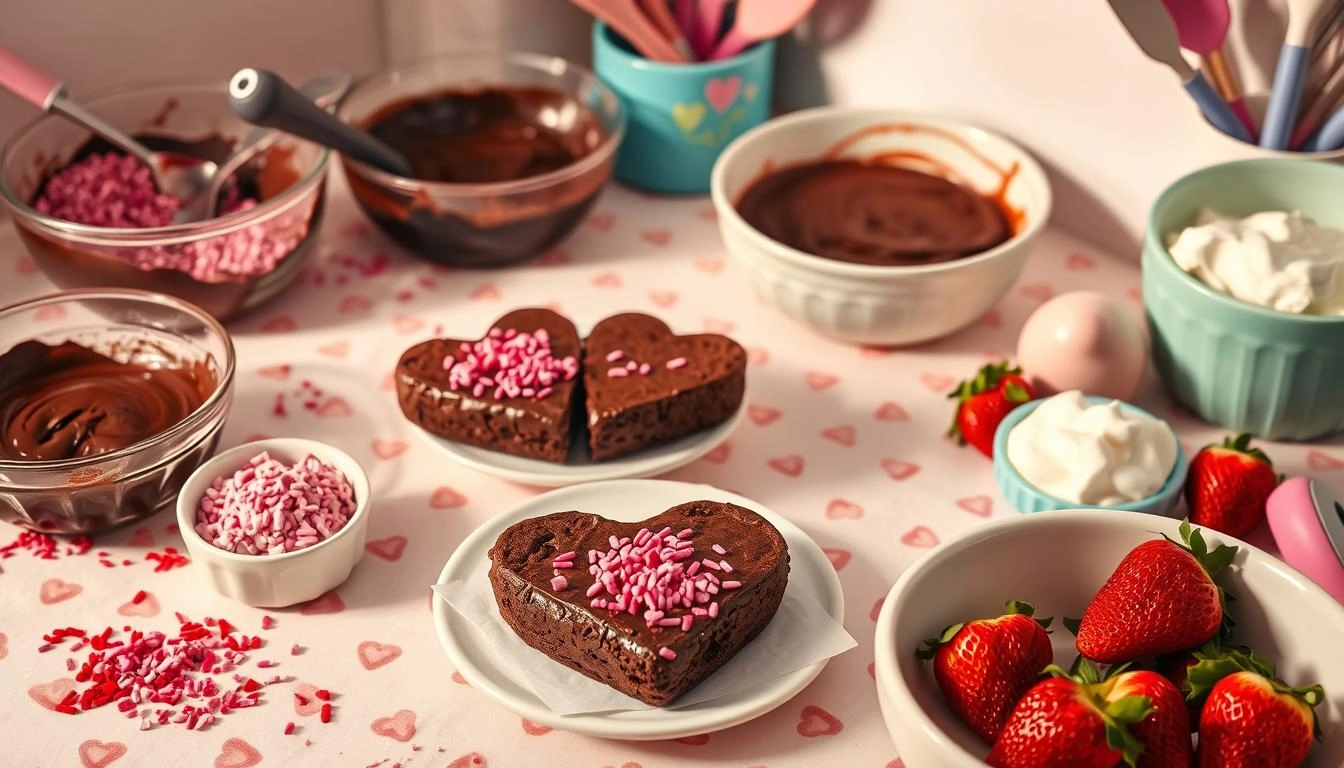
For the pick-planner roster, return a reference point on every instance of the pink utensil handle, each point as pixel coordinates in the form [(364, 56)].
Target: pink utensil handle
[(660, 14), (625, 17), (710, 16), (1243, 114), (26, 81), (687, 18), (734, 42)]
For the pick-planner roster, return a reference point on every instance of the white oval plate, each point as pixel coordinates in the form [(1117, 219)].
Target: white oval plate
[(626, 501), (579, 468)]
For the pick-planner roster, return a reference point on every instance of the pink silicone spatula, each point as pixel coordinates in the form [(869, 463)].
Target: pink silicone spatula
[(709, 23), (626, 18), (760, 20), (660, 13), (1201, 26)]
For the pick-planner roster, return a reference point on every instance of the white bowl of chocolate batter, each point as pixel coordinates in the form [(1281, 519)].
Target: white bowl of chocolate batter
[(878, 226)]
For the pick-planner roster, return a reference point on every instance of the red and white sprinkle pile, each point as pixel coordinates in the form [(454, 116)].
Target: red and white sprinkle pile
[(44, 547), (162, 679), (269, 507), (634, 367), (508, 364), (654, 575), (118, 191)]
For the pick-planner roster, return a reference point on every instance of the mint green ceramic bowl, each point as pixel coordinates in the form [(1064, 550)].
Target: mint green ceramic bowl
[(1276, 375)]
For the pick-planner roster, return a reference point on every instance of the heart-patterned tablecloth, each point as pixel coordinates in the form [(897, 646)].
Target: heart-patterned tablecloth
[(847, 443)]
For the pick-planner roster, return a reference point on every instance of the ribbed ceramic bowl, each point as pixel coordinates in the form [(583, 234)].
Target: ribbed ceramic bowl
[(1057, 562), (880, 305), (275, 581), (1026, 497), (1276, 375)]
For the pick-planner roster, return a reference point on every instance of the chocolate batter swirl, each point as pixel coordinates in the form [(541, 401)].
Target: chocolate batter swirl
[(67, 401), (870, 213)]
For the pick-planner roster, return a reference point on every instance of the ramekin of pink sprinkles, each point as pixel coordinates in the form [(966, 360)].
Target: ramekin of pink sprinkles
[(269, 507), (509, 363)]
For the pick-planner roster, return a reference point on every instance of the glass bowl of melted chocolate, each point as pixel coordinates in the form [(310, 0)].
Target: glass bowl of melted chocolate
[(509, 152), (91, 216), (109, 399)]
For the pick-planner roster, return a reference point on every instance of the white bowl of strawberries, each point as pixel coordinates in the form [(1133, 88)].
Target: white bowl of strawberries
[(1200, 650)]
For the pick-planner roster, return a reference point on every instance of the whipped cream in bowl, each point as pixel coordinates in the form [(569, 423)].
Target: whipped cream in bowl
[(1279, 260), (1074, 451)]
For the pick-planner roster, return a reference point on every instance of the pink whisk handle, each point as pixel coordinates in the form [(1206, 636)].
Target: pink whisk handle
[(26, 81)]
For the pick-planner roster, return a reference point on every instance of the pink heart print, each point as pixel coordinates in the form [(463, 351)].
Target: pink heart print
[(839, 557), (1322, 461), (718, 454), (277, 372), (389, 549), (56, 590), (237, 753), (373, 655), (937, 381), (992, 319), (141, 537), (555, 257), (843, 509), (608, 280), (49, 312), (708, 213), (897, 763), (306, 702), (336, 349), (761, 415), (709, 265), (485, 292), (817, 380), (714, 325), (48, 695), (722, 92), (100, 754), (845, 434), (919, 536), (389, 449), (816, 721), (328, 602), (407, 323), (352, 304), (334, 407), (280, 324), (602, 221), (890, 411), (4, 645), (400, 726), (899, 470), (534, 729), (758, 355), (1079, 262), (663, 299), (658, 237), (469, 760), (1037, 291), (699, 740), (446, 498), (459, 679), (146, 608), (791, 465), (980, 506)]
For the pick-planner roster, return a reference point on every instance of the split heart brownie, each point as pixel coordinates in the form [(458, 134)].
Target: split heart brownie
[(646, 385), (650, 608), (512, 390)]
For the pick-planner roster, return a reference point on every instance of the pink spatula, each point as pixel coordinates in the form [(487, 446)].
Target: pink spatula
[(760, 20), (626, 18), (1202, 28)]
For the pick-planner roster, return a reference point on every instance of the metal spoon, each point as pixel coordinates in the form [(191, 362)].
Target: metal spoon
[(180, 175), (324, 90), (263, 98)]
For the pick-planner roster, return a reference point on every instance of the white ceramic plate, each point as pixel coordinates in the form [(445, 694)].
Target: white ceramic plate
[(628, 501), (579, 468)]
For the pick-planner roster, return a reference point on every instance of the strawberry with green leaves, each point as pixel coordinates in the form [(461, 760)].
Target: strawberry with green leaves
[(984, 666), (1067, 720), (1228, 485), (1176, 668), (1252, 719), (1165, 732), (984, 401), (1161, 598)]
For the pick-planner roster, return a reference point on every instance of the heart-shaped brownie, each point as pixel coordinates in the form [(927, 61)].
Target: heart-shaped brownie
[(646, 385), (512, 390), (648, 608)]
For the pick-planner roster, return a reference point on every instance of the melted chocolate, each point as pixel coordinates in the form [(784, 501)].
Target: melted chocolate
[(488, 135), (67, 401), (872, 213)]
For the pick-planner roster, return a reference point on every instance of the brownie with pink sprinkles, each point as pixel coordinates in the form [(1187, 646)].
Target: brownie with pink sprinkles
[(512, 390), (645, 385), (649, 608)]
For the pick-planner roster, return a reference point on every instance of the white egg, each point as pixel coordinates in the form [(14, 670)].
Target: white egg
[(1083, 340)]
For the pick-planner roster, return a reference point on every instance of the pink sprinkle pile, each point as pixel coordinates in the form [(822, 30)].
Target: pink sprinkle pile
[(508, 364), (655, 575), (118, 191), (634, 367), (269, 507)]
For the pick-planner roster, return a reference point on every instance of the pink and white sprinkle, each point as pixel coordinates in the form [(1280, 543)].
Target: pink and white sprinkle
[(508, 363), (270, 507)]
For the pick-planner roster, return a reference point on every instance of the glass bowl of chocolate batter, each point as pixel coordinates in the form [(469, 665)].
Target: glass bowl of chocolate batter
[(109, 399), (510, 150), (89, 221), (877, 226)]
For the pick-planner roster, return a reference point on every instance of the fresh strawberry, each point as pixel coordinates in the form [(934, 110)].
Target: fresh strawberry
[(1161, 598), (1228, 486), (984, 666), (983, 401), (1251, 719), (1165, 732), (1066, 720), (1176, 668)]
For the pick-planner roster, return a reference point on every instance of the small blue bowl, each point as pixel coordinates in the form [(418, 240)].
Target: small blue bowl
[(1025, 497)]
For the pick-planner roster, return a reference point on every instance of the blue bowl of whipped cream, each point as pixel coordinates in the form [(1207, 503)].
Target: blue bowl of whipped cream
[(1076, 451), (1243, 289)]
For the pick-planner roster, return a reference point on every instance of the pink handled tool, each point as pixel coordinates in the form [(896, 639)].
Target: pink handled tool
[(1307, 520), (661, 15), (1202, 26), (628, 21), (760, 20), (182, 176), (688, 20), (709, 25)]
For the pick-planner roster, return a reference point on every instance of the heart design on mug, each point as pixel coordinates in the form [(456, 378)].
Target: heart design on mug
[(688, 116), (721, 93), (749, 91)]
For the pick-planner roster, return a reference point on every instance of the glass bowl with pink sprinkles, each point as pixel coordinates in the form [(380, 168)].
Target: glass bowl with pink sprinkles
[(276, 522), (92, 216)]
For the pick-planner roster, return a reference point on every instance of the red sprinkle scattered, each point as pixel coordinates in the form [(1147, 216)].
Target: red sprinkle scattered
[(323, 694), (267, 622), (326, 713), (289, 729), (45, 547), (166, 560), (139, 597)]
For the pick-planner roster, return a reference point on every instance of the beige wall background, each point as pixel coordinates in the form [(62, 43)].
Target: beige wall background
[(1060, 76)]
